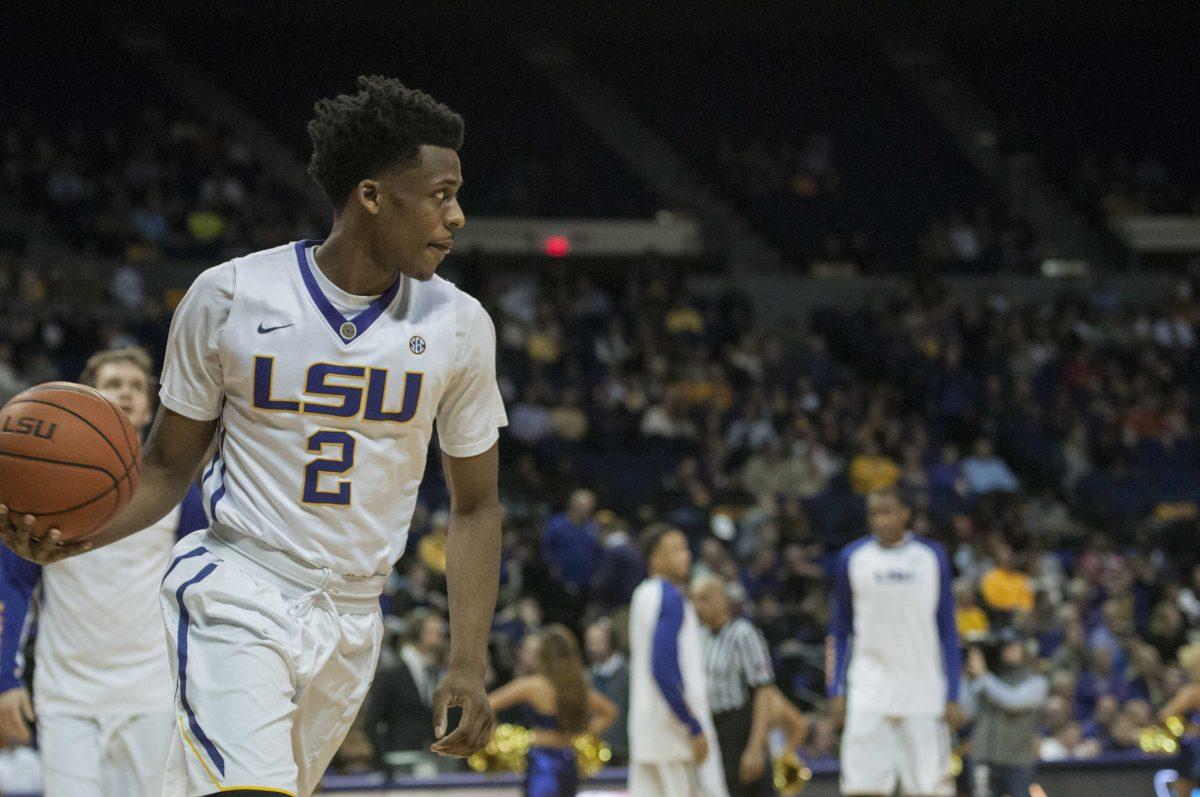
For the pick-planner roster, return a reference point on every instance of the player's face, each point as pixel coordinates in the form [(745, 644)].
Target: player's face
[(127, 386), (888, 518), (418, 213), (673, 559)]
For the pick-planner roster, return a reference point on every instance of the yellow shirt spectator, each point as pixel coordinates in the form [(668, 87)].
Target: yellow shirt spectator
[(1006, 590), (971, 621), (871, 472)]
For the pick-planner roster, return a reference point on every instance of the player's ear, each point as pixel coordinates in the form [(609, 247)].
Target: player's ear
[(367, 195)]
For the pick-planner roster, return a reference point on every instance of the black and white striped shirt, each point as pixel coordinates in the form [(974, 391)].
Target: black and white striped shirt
[(736, 662)]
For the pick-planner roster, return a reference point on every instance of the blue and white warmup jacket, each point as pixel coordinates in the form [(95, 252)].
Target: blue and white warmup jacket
[(894, 636)]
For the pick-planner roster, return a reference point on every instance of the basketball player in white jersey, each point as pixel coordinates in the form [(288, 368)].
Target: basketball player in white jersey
[(897, 663), (322, 366), (102, 688), (673, 746)]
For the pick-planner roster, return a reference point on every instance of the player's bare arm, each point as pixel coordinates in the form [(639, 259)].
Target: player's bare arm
[(472, 578), (170, 458)]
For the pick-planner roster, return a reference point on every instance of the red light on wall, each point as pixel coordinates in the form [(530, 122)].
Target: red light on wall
[(557, 245)]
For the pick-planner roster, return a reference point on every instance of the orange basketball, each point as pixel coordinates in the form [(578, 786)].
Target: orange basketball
[(68, 456)]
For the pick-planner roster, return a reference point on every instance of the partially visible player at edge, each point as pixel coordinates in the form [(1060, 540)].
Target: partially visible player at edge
[(322, 366), (896, 663), (102, 687)]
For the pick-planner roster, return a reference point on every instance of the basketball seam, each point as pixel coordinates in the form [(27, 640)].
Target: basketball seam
[(116, 483), (91, 392), (103, 436)]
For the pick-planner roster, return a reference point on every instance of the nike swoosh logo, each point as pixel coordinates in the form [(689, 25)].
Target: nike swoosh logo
[(264, 330)]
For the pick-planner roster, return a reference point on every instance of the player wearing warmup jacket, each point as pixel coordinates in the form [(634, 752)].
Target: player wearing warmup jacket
[(322, 366), (673, 747), (896, 662), (103, 692)]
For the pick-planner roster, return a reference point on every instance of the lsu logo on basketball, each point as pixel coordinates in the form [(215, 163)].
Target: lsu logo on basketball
[(38, 427), (340, 391)]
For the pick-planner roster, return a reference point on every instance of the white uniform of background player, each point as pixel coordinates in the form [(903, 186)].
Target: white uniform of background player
[(668, 695), (326, 403), (102, 690), (896, 662)]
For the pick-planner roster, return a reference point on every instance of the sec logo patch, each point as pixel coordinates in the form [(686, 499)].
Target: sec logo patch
[(416, 344)]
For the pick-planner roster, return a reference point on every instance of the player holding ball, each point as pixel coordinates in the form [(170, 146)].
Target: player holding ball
[(321, 366)]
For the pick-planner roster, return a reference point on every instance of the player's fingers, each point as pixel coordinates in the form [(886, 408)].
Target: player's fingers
[(17, 542), (47, 544), (453, 743), (441, 703), (26, 706), (480, 721), (67, 550), (8, 530), (469, 736)]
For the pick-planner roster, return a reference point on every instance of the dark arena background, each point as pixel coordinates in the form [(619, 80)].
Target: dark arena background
[(747, 263)]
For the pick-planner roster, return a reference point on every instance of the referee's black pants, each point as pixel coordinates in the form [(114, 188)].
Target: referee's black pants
[(733, 731)]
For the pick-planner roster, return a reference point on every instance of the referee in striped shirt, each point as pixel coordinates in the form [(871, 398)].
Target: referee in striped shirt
[(738, 669)]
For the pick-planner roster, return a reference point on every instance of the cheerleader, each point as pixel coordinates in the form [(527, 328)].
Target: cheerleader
[(561, 707)]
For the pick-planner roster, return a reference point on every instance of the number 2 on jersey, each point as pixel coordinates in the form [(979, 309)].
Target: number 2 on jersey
[(312, 472)]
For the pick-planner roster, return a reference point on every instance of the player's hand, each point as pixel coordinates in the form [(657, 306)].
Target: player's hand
[(837, 711), (954, 716), (753, 764), (18, 534), (475, 728), (16, 712), (976, 664), (699, 748)]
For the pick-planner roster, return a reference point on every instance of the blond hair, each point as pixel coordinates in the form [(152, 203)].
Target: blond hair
[(127, 354)]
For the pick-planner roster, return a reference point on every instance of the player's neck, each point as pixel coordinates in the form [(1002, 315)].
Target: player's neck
[(347, 263), (894, 543), (669, 580)]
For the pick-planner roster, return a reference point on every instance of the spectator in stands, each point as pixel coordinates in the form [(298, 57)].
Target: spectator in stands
[(1167, 630), (1068, 743), (570, 545), (1189, 596), (1005, 588), (1098, 681), (619, 569), (1008, 704), (972, 621), (609, 671), (986, 472), (401, 699), (871, 470)]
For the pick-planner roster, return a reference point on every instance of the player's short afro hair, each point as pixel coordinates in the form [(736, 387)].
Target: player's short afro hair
[(356, 136)]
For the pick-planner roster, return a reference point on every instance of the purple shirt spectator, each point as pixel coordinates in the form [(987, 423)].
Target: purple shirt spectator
[(571, 543)]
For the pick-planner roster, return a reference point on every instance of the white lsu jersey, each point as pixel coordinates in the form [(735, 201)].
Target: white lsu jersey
[(327, 401), (895, 640), (100, 648)]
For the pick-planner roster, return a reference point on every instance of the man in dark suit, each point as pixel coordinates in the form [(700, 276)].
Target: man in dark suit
[(610, 677), (402, 697)]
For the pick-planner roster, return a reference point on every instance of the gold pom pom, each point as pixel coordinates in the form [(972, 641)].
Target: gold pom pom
[(790, 774), (504, 752)]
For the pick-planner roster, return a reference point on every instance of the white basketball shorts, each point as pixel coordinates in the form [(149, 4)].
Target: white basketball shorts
[(104, 756), (272, 660), (880, 752)]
